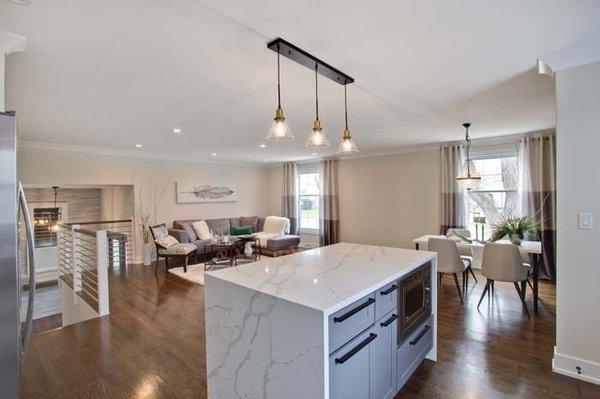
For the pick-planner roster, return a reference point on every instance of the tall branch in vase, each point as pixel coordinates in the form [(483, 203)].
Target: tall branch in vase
[(147, 216)]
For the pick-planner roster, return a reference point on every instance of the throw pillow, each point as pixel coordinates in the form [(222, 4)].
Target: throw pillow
[(166, 241), (202, 230), (238, 231)]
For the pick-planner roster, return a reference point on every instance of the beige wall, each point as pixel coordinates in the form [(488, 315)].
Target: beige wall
[(49, 167), (117, 202), (578, 187), (385, 200)]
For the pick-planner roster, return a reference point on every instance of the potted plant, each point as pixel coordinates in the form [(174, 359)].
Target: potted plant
[(515, 229)]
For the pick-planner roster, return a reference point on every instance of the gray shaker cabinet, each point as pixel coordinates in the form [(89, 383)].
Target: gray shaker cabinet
[(383, 358), (349, 368)]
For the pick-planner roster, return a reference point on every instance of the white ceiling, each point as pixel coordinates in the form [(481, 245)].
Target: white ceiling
[(114, 73)]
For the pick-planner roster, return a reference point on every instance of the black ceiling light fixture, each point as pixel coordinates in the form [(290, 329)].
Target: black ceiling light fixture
[(280, 130), (317, 137)]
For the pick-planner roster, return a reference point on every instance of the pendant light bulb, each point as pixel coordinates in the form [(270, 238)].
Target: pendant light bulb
[(347, 146), (468, 178), (280, 130), (317, 136)]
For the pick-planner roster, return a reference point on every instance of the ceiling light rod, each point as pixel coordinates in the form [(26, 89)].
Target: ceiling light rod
[(468, 148), (308, 60)]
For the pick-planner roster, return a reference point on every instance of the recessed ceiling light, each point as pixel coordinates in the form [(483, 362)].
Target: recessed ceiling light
[(314, 154), (214, 154), (263, 146), (138, 146), (266, 160), (177, 130)]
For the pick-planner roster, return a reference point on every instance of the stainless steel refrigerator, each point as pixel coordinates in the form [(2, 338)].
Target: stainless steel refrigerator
[(15, 331)]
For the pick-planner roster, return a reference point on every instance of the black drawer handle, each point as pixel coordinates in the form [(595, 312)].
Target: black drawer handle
[(418, 337), (389, 290), (356, 349), (354, 311), (389, 321)]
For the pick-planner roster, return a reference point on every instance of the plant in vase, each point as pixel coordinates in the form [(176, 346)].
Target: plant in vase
[(146, 217), (515, 229)]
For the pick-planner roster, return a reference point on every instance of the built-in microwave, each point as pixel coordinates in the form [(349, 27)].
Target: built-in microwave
[(414, 300)]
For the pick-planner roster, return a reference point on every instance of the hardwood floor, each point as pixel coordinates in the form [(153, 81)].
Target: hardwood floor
[(152, 346)]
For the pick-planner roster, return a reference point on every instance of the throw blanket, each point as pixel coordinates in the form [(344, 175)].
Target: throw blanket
[(274, 226)]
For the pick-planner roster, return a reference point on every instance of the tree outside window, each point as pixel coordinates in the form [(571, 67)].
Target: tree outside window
[(309, 200), (497, 195)]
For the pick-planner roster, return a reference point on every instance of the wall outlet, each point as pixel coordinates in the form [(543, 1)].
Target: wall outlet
[(586, 221)]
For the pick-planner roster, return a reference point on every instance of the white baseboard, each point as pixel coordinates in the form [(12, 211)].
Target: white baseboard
[(568, 365)]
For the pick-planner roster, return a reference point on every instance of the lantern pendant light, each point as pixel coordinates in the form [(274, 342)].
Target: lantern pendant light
[(347, 146), (468, 178), (280, 130), (317, 137)]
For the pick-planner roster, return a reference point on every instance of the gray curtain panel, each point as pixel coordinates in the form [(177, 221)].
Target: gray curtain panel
[(289, 196), (329, 214), (537, 158), (453, 198)]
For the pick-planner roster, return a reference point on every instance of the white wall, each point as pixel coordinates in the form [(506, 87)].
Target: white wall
[(578, 188), (38, 166), (384, 200)]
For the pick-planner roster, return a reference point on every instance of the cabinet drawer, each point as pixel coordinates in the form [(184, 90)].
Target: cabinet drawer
[(350, 321), (413, 351), (386, 300), (349, 368)]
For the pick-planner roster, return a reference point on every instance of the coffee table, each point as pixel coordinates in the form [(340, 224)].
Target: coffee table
[(224, 254)]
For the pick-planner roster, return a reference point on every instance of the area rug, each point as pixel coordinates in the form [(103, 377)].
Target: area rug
[(195, 273)]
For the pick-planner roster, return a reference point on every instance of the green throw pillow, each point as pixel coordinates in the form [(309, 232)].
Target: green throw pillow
[(238, 231)]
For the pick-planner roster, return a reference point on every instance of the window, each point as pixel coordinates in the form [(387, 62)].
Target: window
[(309, 200), (496, 196)]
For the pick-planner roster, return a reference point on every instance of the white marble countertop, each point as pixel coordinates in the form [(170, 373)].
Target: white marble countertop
[(325, 279)]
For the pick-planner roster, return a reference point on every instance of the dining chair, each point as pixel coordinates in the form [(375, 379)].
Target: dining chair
[(503, 262), (465, 252), (449, 261)]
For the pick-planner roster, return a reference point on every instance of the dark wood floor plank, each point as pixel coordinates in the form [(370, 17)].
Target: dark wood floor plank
[(152, 346)]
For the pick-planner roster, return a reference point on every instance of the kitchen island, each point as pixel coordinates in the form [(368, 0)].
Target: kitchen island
[(316, 324)]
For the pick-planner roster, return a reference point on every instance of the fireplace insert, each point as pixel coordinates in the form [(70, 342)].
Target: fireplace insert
[(414, 300)]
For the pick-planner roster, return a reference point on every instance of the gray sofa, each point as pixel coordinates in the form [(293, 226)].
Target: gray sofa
[(183, 231)]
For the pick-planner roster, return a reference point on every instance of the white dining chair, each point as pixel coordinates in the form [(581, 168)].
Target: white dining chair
[(449, 261), (466, 252), (503, 262)]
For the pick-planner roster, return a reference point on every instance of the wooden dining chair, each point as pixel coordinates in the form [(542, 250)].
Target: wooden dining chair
[(503, 262), (449, 261)]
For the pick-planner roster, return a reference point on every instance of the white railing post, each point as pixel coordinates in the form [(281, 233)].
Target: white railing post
[(75, 264), (102, 262)]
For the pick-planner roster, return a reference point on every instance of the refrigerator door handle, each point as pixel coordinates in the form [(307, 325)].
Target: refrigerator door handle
[(27, 329)]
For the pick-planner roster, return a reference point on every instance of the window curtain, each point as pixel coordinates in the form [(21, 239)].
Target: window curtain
[(329, 210), (453, 198), (289, 196), (537, 159)]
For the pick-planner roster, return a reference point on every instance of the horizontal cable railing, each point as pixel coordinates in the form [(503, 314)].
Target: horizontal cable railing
[(83, 258), (120, 239)]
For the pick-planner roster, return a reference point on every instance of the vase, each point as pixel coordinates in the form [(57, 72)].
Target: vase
[(515, 238), (248, 248), (147, 254)]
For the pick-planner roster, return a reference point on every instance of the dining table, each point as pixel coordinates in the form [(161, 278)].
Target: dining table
[(531, 249)]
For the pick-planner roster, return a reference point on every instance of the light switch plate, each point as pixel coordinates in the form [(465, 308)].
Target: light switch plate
[(586, 221)]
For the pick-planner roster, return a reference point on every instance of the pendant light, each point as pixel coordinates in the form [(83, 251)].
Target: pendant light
[(468, 178), (317, 137), (280, 130), (347, 146)]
